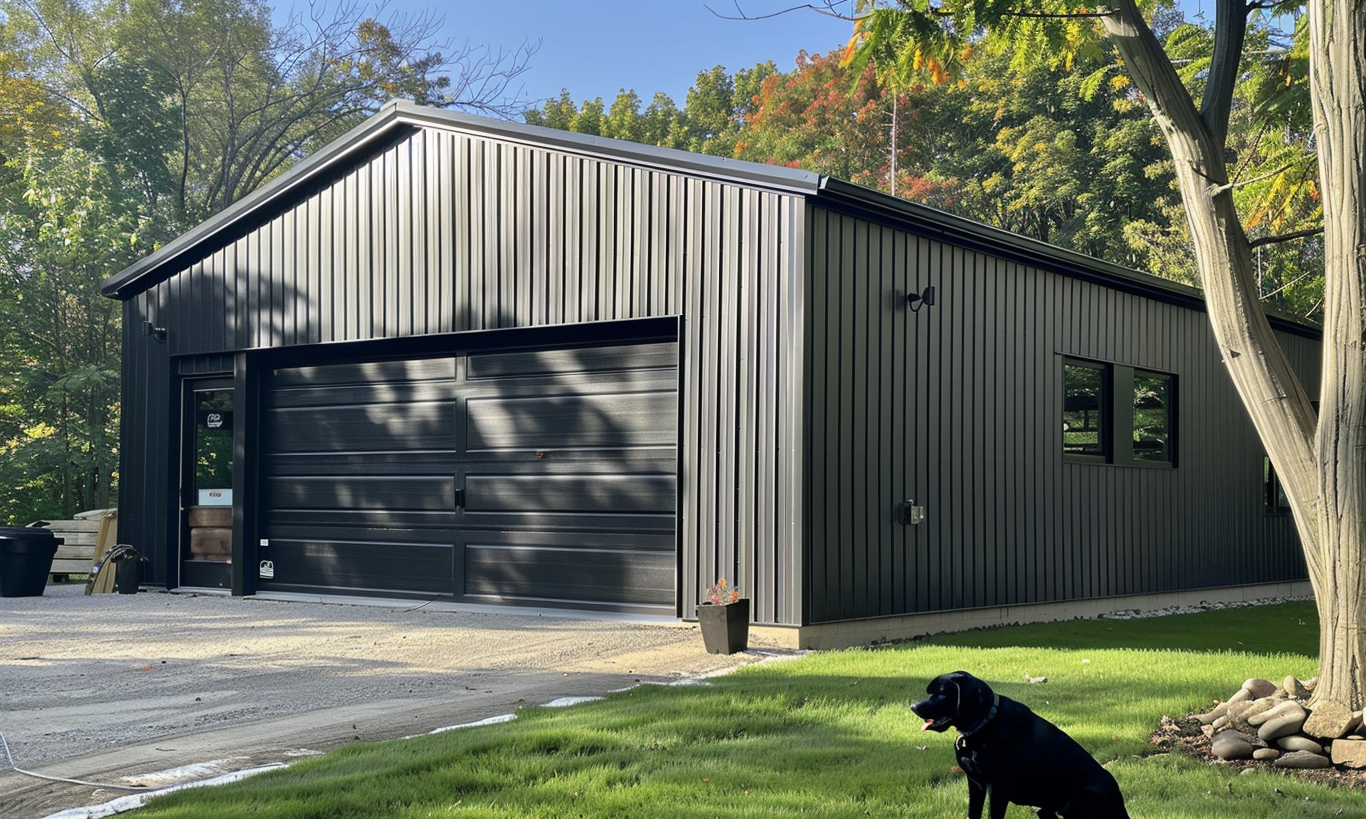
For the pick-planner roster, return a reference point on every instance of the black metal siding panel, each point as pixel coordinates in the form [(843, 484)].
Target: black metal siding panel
[(963, 397), (147, 502), (443, 232)]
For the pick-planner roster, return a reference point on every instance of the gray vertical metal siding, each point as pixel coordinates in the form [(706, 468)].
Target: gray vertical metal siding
[(958, 406), (446, 231)]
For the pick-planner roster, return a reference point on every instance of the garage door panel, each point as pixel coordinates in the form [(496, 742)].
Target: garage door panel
[(359, 565), (576, 493), (617, 358), (368, 372), (421, 493), (599, 420), (372, 427), (372, 524), (579, 575), (347, 464)]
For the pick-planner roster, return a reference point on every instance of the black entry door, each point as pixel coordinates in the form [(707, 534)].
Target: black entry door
[(533, 478), (206, 484)]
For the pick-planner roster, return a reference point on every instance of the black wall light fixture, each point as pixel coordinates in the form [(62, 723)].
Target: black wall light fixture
[(915, 301), (158, 333)]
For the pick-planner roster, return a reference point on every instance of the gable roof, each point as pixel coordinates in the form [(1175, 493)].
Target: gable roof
[(397, 118)]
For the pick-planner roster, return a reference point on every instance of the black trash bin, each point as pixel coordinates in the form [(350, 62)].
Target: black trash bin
[(127, 569), (25, 560)]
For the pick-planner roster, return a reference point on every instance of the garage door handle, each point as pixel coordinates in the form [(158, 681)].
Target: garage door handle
[(459, 499)]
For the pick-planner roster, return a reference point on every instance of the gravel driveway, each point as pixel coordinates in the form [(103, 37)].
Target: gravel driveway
[(131, 689)]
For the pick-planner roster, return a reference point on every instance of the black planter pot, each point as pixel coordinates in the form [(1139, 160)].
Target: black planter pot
[(26, 555), (725, 628)]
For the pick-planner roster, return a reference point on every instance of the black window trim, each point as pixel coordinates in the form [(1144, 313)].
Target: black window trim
[(1118, 449)]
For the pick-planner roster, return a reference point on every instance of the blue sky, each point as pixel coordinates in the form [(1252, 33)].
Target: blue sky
[(594, 48)]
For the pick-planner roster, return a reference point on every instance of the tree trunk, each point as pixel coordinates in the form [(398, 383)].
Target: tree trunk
[(1337, 74), (1322, 473)]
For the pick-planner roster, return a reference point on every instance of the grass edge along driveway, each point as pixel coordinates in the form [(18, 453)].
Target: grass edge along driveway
[(828, 735)]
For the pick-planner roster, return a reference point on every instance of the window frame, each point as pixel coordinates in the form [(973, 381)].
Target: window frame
[(1105, 435), (1117, 448)]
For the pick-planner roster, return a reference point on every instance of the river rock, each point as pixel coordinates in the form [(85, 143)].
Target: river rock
[(1283, 720), (1328, 720), (1293, 687), (1266, 753), (1231, 745), (1278, 709), (1259, 688), (1240, 714), (1295, 742), (1350, 753), (1215, 713), (1243, 695), (1303, 760)]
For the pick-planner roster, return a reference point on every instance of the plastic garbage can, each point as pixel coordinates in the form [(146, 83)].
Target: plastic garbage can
[(26, 555), (127, 569)]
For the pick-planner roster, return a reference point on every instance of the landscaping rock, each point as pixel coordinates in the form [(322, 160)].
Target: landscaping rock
[(1210, 716), (1265, 753), (1303, 760), (1240, 714), (1356, 723), (1350, 753), (1243, 695), (1294, 688), (1328, 720), (1283, 720), (1259, 688), (1256, 715), (1231, 745), (1296, 742)]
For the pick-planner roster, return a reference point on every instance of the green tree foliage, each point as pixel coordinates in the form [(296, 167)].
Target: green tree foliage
[(124, 123), (1269, 141), (65, 223), (1063, 162), (224, 99), (1031, 150), (718, 105)]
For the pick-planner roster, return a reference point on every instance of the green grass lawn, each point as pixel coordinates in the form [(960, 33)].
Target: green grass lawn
[(828, 735)]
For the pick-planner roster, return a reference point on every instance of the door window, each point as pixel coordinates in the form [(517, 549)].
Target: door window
[(212, 448)]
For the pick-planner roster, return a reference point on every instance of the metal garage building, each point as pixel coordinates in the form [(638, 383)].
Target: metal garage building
[(460, 359)]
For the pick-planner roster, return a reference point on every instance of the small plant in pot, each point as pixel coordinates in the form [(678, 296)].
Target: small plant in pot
[(724, 618)]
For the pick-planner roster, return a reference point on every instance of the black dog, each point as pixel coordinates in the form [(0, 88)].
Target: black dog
[(1011, 754)]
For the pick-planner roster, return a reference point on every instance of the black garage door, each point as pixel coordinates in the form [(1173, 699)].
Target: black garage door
[(534, 478)]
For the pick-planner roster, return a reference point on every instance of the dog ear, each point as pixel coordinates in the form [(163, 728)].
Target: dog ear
[(973, 696)]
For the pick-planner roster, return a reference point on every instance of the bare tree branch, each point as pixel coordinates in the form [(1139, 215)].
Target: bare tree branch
[(826, 9), (1285, 237)]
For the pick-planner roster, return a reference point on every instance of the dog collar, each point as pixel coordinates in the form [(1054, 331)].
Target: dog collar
[(981, 723)]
